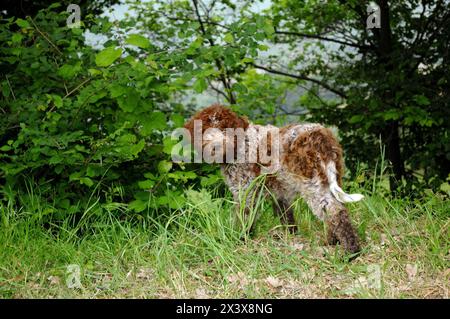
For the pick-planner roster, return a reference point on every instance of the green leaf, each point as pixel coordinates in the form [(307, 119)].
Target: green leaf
[(57, 100), (5, 89), (137, 205), (421, 99), (156, 121), (94, 72), (228, 38), (129, 101), (74, 176), (162, 200), (137, 148), (209, 180), (169, 143), (64, 203), (392, 115), (54, 5), (181, 175), (17, 37), (138, 40), (197, 43), (68, 71), (164, 166), (151, 62), (86, 181), (107, 56), (176, 201), (147, 184), (117, 90), (445, 187), (127, 138), (268, 27), (93, 171), (150, 175), (240, 88), (356, 119), (248, 60), (22, 23), (177, 120), (200, 85)]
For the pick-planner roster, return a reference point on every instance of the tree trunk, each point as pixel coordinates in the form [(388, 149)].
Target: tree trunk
[(389, 133), (391, 139)]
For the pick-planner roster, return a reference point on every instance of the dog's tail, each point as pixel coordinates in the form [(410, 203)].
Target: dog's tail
[(336, 190)]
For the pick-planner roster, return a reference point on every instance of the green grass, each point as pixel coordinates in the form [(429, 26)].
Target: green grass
[(197, 252)]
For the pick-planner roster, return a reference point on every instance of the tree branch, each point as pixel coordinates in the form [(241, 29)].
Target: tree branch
[(217, 89), (302, 77), (219, 65), (208, 22), (10, 88), (319, 37), (45, 37), (297, 112)]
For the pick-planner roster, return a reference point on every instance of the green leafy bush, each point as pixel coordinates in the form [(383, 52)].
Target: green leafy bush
[(78, 121)]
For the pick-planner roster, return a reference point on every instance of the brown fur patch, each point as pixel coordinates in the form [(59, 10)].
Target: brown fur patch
[(273, 183), (309, 150), (217, 116), (341, 230), (256, 169)]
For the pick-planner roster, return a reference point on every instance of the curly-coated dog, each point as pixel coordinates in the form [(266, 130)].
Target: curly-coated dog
[(305, 160)]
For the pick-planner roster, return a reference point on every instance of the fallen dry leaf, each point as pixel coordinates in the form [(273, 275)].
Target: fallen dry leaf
[(411, 270), (274, 282), (201, 293), (144, 273), (239, 279), (298, 246), (54, 280)]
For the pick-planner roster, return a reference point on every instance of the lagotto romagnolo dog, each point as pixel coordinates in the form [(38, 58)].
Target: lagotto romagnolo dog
[(305, 161)]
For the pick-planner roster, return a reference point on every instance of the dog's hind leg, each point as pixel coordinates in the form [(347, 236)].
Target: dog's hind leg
[(327, 208)]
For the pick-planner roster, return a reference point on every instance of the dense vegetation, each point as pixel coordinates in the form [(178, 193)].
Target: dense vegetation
[(85, 129)]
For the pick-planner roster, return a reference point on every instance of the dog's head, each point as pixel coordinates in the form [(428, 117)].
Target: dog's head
[(217, 116), (214, 121)]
